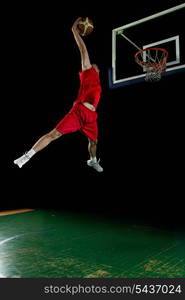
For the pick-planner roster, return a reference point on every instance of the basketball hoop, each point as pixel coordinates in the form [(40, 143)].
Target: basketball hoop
[(153, 61)]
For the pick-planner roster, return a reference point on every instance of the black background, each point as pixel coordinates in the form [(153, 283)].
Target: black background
[(141, 127)]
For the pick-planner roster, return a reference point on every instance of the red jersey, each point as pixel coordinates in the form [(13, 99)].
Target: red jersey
[(90, 88)]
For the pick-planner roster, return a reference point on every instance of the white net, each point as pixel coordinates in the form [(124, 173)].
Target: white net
[(153, 61), (152, 74)]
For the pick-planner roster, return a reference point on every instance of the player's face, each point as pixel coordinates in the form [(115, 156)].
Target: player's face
[(96, 68)]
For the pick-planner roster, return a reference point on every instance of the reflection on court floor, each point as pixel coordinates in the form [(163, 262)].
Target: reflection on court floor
[(13, 212)]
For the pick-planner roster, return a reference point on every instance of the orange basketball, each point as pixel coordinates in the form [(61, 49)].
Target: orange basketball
[(85, 26)]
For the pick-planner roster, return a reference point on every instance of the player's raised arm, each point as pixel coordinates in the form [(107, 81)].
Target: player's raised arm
[(85, 61)]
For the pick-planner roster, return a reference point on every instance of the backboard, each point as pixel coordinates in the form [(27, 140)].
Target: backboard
[(163, 29)]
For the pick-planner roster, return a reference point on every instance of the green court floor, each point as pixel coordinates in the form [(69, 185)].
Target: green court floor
[(55, 244)]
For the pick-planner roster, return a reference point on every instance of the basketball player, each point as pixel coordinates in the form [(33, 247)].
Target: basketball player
[(83, 115)]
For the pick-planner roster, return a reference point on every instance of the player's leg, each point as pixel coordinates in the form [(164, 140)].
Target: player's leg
[(69, 123), (92, 148), (90, 129), (44, 141), (93, 162)]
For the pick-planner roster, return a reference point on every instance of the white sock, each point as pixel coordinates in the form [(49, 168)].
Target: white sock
[(30, 153), (94, 159)]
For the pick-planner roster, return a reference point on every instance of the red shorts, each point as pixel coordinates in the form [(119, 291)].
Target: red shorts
[(80, 118)]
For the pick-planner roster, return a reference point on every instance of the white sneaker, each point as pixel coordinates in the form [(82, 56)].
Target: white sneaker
[(95, 165), (22, 160)]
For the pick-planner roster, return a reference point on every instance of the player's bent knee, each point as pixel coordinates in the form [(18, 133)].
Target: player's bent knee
[(93, 143), (54, 134)]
